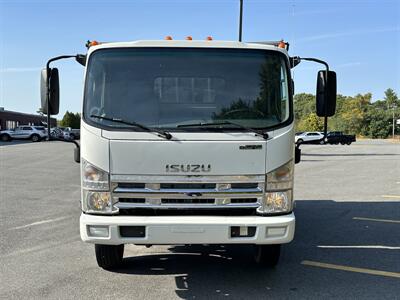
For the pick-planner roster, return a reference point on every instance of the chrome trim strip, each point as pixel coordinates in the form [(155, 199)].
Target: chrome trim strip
[(185, 196), (147, 191), (188, 178), (189, 205), (223, 194)]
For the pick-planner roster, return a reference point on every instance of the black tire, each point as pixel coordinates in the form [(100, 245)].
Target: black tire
[(109, 256), (35, 138), (348, 143), (5, 138), (267, 255), (72, 136), (299, 141), (342, 143), (321, 142)]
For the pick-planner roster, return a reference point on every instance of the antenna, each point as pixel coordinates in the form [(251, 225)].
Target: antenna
[(240, 20)]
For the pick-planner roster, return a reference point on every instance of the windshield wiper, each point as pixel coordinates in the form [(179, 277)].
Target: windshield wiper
[(257, 132), (160, 132)]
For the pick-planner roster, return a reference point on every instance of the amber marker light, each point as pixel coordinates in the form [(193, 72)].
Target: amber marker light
[(282, 44), (168, 38)]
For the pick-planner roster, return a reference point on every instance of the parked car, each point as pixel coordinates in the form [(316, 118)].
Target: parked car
[(72, 134), (308, 137), (57, 133), (34, 133), (336, 137)]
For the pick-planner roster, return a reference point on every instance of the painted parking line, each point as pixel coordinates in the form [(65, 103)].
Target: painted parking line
[(359, 247), (376, 220), (39, 223), (391, 196), (350, 269)]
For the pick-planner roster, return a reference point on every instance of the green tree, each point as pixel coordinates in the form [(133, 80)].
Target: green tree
[(311, 123), (354, 115), (353, 112), (379, 123), (391, 98), (304, 104), (71, 120)]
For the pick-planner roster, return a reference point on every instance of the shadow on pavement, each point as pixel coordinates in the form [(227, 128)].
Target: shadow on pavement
[(16, 142), (217, 271)]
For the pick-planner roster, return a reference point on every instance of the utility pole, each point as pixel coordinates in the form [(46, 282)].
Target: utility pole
[(393, 122), (240, 20)]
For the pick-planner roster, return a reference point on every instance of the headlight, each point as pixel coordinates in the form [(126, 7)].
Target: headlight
[(96, 202), (94, 178), (96, 196), (278, 196)]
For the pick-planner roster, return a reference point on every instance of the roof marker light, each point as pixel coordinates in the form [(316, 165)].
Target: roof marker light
[(92, 43), (209, 38), (282, 44), (189, 38), (168, 38)]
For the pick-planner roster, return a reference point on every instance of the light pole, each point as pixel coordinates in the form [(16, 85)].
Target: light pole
[(393, 120)]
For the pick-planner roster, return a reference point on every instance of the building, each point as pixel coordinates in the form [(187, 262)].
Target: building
[(11, 119)]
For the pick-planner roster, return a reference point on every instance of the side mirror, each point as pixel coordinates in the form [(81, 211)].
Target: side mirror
[(326, 94), (297, 155), (50, 80), (77, 154)]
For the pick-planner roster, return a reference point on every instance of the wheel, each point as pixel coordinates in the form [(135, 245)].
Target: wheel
[(299, 141), (109, 256), (342, 143), (267, 255), (348, 143), (5, 137), (321, 142), (35, 138), (72, 136)]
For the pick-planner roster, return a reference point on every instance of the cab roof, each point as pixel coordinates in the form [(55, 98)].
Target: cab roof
[(189, 44)]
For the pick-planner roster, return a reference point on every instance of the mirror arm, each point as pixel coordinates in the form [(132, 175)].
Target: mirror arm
[(319, 61), (77, 150), (48, 87)]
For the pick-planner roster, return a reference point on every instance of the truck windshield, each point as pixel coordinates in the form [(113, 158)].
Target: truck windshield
[(170, 87)]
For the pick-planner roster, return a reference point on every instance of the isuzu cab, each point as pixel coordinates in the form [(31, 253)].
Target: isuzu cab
[(187, 142)]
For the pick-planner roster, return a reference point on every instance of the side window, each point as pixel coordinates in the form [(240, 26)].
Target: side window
[(284, 93), (26, 128)]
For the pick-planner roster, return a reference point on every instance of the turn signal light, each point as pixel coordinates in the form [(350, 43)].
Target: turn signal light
[(209, 38), (189, 38), (168, 38)]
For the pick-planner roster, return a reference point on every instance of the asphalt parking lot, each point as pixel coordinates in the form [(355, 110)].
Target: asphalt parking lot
[(347, 242)]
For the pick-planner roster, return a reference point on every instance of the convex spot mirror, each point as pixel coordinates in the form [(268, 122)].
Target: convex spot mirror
[(52, 79), (326, 94)]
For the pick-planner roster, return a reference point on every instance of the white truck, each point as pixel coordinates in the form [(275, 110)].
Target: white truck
[(187, 142)]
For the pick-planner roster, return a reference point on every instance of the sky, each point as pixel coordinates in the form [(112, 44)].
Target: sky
[(359, 39)]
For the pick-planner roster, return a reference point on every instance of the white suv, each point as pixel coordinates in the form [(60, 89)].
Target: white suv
[(313, 137), (34, 133)]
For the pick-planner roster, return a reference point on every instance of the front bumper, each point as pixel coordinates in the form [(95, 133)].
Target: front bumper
[(169, 230)]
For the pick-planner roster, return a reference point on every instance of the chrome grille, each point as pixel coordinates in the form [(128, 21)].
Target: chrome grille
[(206, 192)]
